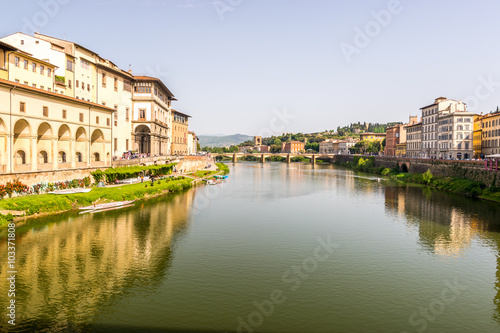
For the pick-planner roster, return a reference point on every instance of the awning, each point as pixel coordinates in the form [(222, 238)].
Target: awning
[(493, 156)]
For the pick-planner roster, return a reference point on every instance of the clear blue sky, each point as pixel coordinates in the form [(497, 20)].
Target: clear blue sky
[(234, 63)]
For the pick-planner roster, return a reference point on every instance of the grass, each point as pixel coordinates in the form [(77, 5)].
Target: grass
[(204, 173), (50, 203), (224, 168)]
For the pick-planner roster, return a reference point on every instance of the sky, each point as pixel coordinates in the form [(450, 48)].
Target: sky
[(263, 67)]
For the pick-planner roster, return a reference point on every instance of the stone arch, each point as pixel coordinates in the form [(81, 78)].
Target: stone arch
[(97, 143), (404, 167), (63, 143), (3, 145), (20, 157), (81, 145), (142, 139), (22, 145), (43, 157), (44, 141)]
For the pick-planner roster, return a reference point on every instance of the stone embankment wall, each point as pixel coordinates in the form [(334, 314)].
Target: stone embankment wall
[(462, 169), (32, 178), (190, 163), (186, 164)]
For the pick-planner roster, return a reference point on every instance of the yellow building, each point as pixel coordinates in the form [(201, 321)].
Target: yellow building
[(5, 49), (490, 133), (477, 137), (372, 136), (41, 130), (401, 149), (179, 133)]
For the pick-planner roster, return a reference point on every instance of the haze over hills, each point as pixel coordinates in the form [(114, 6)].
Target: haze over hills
[(223, 141)]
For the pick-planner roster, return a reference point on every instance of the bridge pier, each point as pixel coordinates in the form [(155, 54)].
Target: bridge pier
[(262, 158), (313, 159), (234, 158), (288, 158)]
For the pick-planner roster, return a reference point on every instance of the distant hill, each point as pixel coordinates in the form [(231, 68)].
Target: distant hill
[(223, 141)]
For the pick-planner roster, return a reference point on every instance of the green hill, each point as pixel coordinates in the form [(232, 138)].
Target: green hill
[(223, 141)]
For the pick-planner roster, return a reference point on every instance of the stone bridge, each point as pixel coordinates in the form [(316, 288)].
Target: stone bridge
[(288, 156)]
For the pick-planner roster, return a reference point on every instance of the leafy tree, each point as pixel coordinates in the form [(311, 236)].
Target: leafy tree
[(275, 149)]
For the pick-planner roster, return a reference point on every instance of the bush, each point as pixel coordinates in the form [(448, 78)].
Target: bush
[(113, 174), (385, 172), (427, 176)]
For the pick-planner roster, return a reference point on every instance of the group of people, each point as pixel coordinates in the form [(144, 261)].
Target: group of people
[(130, 155)]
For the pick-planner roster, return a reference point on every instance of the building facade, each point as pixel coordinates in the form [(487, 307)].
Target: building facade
[(326, 147), (41, 131), (372, 136), (490, 134), (192, 143), (455, 135), (151, 117), (430, 115), (293, 147), (179, 133), (414, 140), (477, 136)]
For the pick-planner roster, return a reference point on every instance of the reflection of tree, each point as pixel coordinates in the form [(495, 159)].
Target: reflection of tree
[(73, 270), (447, 222)]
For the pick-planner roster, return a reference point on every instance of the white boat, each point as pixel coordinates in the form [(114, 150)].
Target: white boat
[(107, 205), (92, 211), (71, 191), (212, 182)]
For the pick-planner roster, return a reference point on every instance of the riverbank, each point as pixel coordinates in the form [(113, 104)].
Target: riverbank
[(457, 185), (47, 204)]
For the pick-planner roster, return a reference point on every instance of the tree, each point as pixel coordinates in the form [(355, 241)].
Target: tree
[(275, 149), (383, 143), (277, 142)]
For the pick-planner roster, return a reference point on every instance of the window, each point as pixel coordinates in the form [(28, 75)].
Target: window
[(127, 86), (69, 65), (104, 103), (49, 72), (142, 114), (108, 121), (25, 83), (22, 41), (42, 87), (25, 64), (116, 84), (83, 86), (69, 84), (49, 89), (64, 114), (116, 144), (16, 80), (34, 67), (42, 68), (34, 85), (81, 117), (22, 107), (126, 114), (16, 61), (84, 63), (77, 84), (104, 80), (97, 120), (88, 87), (45, 111)]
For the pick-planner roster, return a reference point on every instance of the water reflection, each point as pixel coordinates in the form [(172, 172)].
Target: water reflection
[(76, 268), (447, 224)]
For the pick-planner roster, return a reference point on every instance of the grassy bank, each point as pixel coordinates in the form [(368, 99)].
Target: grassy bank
[(451, 184), (224, 168), (50, 203)]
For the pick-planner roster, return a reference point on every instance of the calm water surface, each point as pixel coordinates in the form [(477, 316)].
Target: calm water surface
[(277, 248)]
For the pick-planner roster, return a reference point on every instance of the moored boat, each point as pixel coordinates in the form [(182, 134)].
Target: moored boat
[(107, 205)]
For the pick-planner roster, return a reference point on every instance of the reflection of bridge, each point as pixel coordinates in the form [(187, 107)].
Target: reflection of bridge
[(288, 156)]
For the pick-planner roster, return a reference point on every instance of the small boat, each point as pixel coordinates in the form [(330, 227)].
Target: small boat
[(220, 177), (71, 191), (212, 182), (107, 205), (92, 211)]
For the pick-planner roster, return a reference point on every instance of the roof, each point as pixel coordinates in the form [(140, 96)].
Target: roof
[(416, 124), (53, 94), (183, 114), (154, 79), (427, 106), (6, 46), (371, 133)]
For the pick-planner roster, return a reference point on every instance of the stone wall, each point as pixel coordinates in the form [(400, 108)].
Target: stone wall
[(194, 163), (32, 178)]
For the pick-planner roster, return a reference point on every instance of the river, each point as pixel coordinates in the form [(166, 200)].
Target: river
[(277, 248)]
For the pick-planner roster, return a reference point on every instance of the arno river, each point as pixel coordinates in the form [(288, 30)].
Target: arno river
[(277, 248)]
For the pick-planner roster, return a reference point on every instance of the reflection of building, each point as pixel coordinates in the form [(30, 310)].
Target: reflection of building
[(73, 270)]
